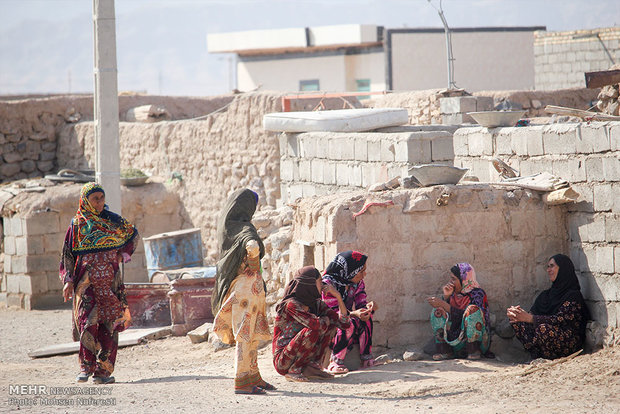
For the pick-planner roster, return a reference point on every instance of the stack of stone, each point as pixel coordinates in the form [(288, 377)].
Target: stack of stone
[(454, 109), (26, 156), (275, 228), (608, 100)]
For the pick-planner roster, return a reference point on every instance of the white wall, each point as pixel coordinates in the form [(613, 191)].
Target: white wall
[(491, 60), (366, 66), (335, 73)]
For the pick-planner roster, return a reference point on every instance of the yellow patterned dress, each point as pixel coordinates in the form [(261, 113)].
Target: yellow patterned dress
[(242, 321)]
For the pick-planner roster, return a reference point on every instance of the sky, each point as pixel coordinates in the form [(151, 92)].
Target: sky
[(46, 46)]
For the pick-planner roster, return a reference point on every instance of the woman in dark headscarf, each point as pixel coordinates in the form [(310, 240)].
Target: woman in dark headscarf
[(96, 242), (238, 299), (461, 320), (556, 325), (305, 326), (346, 273)]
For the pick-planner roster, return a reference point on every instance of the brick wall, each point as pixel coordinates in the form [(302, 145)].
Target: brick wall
[(561, 58), (316, 163), (588, 156)]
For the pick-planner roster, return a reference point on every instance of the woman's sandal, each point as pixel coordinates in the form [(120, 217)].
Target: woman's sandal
[(475, 356), (368, 363), (256, 390), (296, 377), (267, 386), (441, 357), (337, 369)]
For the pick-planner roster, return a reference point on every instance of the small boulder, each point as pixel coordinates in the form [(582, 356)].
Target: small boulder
[(412, 356), (200, 334)]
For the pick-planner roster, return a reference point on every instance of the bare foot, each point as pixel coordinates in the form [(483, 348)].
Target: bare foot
[(296, 377), (315, 373)]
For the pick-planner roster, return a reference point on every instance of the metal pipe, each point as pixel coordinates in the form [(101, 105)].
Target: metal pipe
[(446, 28), (107, 146)]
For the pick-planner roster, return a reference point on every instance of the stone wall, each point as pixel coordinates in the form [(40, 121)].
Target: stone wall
[(210, 157), (507, 235), (561, 58), (534, 102), (425, 109), (35, 225), (317, 163), (588, 156), (275, 229), (29, 129)]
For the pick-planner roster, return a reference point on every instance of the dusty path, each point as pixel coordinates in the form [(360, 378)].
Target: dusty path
[(173, 375)]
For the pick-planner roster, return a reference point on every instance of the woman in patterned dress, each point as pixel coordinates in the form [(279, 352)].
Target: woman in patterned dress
[(305, 326), (96, 242), (460, 320), (346, 273), (556, 325), (238, 299)]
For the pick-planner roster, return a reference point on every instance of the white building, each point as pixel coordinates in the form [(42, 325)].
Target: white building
[(370, 58)]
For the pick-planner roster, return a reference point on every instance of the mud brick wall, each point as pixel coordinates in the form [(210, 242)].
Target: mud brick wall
[(211, 158), (588, 156), (34, 236), (506, 235), (30, 128)]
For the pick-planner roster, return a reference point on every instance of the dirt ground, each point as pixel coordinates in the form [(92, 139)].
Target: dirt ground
[(173, 375)]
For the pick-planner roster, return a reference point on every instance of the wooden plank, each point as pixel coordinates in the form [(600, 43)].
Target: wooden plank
[(602, 78), (127, 338), (596, 116)]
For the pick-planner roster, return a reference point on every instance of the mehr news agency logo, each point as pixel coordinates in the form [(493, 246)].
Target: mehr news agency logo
[(36, 394)]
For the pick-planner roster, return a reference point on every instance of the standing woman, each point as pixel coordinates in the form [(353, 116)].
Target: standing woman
[(346, 273), (96, 242), (238, 299), (461, 320), (556, 325)]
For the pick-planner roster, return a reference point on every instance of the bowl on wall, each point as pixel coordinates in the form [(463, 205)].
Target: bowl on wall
[(493, 119), (434, 174)]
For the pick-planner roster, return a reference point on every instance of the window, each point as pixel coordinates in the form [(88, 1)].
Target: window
[(362, 85), (309, 85)]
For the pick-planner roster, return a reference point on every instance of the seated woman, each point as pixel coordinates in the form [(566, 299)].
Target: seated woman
[(461, 320), (556, 324), (305, 326), (346, 273)]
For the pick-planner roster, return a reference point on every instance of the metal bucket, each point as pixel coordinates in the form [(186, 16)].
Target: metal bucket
[(173, 250)]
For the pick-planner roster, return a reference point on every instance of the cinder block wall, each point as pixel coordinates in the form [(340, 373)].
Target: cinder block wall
[(34, 236), (317, 163), (588, 156), (506, 235), (561, 58)]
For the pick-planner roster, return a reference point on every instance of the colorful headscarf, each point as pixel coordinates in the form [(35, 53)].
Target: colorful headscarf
[(343, 268), (467, 276), (96, 232), (303, 289), (471, 292)]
